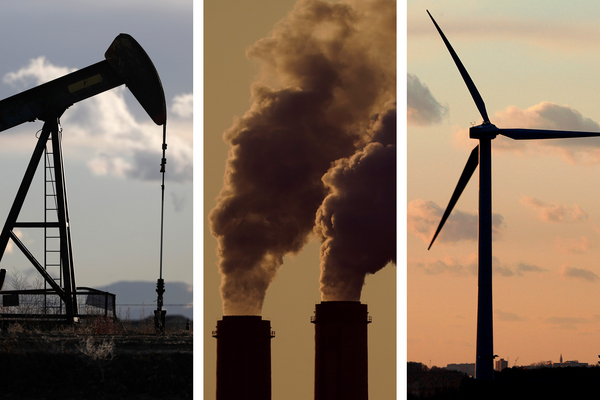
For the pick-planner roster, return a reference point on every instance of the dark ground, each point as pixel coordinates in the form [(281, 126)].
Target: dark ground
[(511, 383), (74, 365)]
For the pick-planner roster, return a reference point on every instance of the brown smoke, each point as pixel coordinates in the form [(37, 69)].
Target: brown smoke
[(326, 68), (357, 220)]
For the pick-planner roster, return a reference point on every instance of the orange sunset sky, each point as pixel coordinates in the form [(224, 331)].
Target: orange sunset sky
[(535, 65)]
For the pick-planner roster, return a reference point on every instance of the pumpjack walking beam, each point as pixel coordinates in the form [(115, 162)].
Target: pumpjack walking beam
[(125, 63)]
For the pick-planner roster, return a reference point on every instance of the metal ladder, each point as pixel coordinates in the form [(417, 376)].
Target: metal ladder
[(52, 259)]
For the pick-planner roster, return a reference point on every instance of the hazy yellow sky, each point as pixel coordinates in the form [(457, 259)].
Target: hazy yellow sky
[(230, 27), (535, 66)]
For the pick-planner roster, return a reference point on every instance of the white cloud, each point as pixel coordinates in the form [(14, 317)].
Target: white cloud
[(104, 131), (573, 246), (37, 72), (422, 107), (524, 267), (507, 316), (103, 164), (10, 246), (447, 266), (424, 216), (510, 270), (554, 212), (569, 323), (468, 267), (578, 273), (545, 115), (183, 105)]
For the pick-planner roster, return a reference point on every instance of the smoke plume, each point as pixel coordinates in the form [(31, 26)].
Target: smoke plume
[(357, 220), (326, 69)]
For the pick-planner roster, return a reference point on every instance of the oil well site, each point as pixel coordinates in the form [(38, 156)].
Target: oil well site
[(58, 339)]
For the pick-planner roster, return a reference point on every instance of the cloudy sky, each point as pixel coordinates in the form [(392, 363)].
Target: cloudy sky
[(535, 66), (112, 149)]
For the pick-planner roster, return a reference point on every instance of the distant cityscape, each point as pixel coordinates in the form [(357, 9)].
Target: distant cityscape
[(499, 365), (541, 380)]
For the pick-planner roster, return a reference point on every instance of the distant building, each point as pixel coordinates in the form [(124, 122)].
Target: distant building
[(501, 364), (468, 369), (573, 363)]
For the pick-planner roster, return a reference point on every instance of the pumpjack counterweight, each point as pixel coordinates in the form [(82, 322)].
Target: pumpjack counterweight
[(125, 63)]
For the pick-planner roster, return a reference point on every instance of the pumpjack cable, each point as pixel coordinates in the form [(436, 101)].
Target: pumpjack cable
[(159, 322), (160, 286), (162, 204)]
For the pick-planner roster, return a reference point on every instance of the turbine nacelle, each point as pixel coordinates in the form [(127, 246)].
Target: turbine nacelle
[(486, 130)]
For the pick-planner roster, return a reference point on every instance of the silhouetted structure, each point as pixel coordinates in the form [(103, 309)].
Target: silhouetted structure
[(510, 383), (243, 358), (341, 356), (501, 364), (481, 156), (125, 62)]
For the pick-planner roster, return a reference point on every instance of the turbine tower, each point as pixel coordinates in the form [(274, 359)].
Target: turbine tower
[(482, 156)]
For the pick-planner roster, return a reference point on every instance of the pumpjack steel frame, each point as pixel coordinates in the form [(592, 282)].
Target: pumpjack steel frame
[(125, 63)]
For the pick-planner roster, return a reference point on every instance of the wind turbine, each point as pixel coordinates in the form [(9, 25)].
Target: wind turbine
[(482, 156)]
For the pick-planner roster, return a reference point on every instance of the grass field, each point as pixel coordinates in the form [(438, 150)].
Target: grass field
[(82, 363)]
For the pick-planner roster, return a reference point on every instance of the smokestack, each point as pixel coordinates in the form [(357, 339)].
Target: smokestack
[(341, 357), (243, 358)]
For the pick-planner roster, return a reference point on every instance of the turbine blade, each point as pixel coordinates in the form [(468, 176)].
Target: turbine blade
[(472, 89), (470, 167), (525, 134)]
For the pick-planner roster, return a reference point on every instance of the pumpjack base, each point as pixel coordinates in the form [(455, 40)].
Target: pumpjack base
[(41, 308)]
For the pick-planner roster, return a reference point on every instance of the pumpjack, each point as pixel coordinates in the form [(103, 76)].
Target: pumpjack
[(125, 62)]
